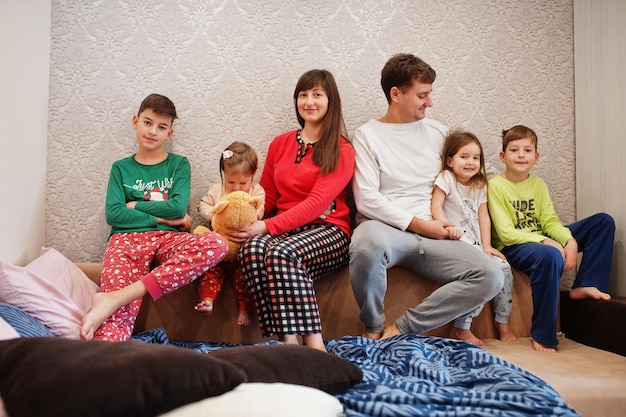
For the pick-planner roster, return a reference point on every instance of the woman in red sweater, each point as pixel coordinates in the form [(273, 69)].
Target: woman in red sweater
[(306, 232)]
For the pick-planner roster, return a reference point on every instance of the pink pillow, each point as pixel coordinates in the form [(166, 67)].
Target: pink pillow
[(7, 332), (52, 289)]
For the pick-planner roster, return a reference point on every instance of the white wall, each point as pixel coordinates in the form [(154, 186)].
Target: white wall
[(24, 74), (600, 58)]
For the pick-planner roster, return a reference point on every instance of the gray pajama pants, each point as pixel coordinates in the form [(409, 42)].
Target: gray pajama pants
[(502, 303), (469, 277)]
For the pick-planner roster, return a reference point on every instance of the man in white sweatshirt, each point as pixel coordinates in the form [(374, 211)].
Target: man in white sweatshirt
[(398, 157)]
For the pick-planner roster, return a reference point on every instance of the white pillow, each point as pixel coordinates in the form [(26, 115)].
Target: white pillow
[(262, 399), (7, 332), (52, 289)]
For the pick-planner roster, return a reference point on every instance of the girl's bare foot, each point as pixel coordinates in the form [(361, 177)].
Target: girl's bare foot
[(244, 318), (373, 336), (465, 335), (506, 334), (541, 348), (580, 293), (103, 304), (205, 306), (390, 331)]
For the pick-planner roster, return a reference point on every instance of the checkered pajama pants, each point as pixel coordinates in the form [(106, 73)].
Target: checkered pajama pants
[(279, 272)]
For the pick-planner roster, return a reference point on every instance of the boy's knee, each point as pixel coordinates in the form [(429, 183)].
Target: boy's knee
[(606, 220)]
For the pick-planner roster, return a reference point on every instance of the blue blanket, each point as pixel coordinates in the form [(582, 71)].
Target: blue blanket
[(409, 375)]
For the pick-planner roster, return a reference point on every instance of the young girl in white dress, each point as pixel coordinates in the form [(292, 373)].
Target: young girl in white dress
[(460, 196)]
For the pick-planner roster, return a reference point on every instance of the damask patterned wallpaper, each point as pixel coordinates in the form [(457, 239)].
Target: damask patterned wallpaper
[(230, 67)]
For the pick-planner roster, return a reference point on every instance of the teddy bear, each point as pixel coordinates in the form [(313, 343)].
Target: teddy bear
[(236, 209)]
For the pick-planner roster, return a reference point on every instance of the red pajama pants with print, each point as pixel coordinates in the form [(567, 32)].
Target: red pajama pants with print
[(163, 260), (212, 281), (279, 271)]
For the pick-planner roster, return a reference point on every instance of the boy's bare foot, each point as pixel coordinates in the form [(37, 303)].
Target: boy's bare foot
[(465, 335), (506, 334), (244, 318), (580, 293), (103, 305), (205, 306), (373, 336), (390, 331), (541, 348)]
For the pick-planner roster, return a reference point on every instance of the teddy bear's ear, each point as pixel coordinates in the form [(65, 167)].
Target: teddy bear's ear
[(256, 202), (220, 206)]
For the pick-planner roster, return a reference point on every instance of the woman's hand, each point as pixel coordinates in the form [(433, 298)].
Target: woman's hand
[(242, 234)]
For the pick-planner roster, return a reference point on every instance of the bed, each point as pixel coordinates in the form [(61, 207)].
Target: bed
[(410, 375), (407, 375), (45, 370)]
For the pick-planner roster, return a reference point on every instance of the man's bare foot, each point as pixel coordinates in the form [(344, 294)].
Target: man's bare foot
[(373, 336), (103, 304), (314, 341), (506, 334), (205, 306), (541, 348), (465, 335), (580, 293), (244, 318), (390, 331)]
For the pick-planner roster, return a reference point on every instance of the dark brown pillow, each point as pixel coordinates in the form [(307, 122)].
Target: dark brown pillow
[(60, 377), (293, 364)]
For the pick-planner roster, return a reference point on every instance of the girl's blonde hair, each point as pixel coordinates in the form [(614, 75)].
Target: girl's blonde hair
[(238, 157), (456, 140)]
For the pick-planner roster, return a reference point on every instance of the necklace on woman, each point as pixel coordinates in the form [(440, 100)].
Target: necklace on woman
[(303, 149)]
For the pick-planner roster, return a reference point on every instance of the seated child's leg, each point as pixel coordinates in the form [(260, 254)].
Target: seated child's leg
[(209, 287), (544, 266), (119, 326), (178, 267), (114, 309), (595, 236), (462, 328), (503, 303), (244, 302)]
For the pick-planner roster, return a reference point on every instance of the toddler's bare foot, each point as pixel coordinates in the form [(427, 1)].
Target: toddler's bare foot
[(390, 331), (205, 306), (506, 334), (244, 318), (374, 336), (103, 304), (541, 348), (465, 335), (580, 293)]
